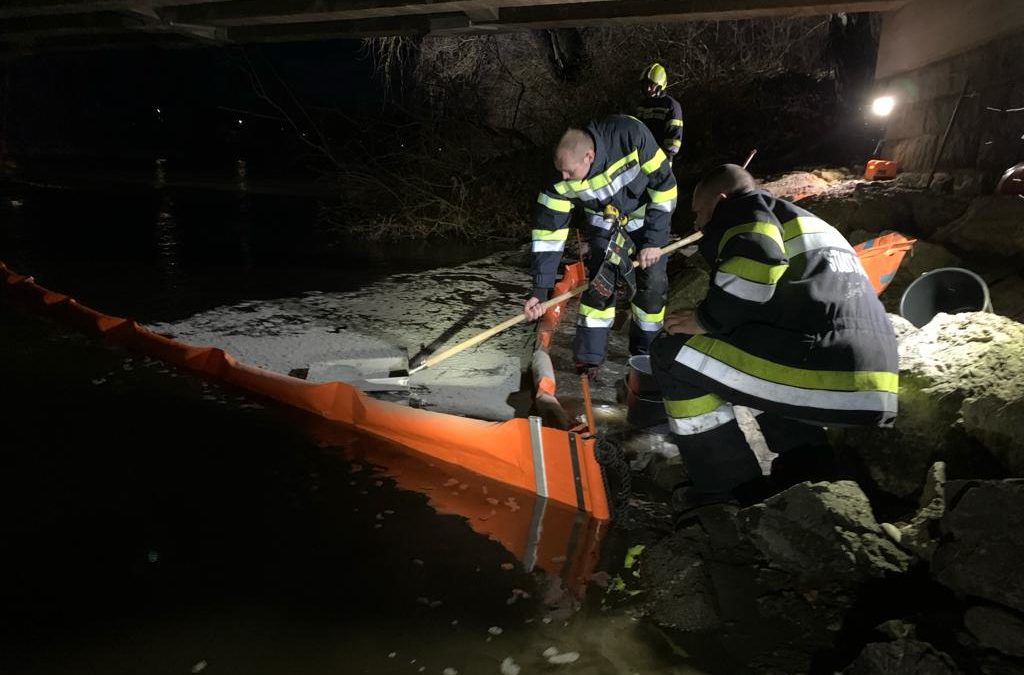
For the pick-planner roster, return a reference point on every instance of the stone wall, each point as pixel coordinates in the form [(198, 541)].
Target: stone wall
[(981, 139)]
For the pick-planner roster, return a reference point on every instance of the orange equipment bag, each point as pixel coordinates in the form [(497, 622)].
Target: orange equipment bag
[(879, 169)]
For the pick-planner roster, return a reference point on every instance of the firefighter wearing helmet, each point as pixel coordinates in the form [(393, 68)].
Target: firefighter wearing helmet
[(659, 111)]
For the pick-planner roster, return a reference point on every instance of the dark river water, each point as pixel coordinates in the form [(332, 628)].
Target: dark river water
[(155, 523)]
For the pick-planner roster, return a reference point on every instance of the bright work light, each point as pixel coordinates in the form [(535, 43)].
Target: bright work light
[(883, 105)]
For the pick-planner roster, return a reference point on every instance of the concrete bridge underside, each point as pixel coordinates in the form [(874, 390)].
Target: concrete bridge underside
[(43, 25)]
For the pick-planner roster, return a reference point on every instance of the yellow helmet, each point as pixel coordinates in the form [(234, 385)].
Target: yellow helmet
[(655, 73)]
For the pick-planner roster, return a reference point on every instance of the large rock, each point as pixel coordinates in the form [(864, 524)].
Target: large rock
[(920, 533), (996, 628), (982, 549), (901, 657), (876, 207), (681, 595), (961, 401), (823, 533), (993, 224), (797, 185)]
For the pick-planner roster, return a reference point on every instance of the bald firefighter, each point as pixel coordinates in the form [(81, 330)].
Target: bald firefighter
[(659, 111), (790, 327), (615, 172)]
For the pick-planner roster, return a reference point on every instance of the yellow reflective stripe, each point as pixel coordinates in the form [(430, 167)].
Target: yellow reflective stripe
[(659, 196), (858, 380), (648, 316), (550, 235), (595, 313), (752, 270), (692, 407), (651, 165), (555, 204), (770, 230), (600, 180), (675, 123), (611, 170), (676, 143), (803, 225)]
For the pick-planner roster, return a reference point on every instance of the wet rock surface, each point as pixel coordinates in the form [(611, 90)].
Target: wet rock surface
[(823, 533), (961, 402), (901, 657), (770, 583), (982, 547)]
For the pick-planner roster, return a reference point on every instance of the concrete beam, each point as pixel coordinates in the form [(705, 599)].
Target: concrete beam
[(262, 12), (276, 20), (634, 11), (101, 22), (15, 8), (326, 30), (927, 31)]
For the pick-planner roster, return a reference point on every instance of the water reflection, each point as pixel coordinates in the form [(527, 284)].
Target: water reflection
[(561, 542)]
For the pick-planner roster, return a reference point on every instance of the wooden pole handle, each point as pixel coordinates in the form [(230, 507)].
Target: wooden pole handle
[(519, 318)]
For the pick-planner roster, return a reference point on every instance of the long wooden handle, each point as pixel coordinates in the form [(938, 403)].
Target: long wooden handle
[(519, 318)]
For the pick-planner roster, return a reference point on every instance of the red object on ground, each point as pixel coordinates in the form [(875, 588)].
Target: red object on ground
[(879, 169)]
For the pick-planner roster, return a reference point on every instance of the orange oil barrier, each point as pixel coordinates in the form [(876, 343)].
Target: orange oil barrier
[(881, 257), (551, 463), (562, 541)]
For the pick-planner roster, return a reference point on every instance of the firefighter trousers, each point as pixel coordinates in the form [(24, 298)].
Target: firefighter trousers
[(597, 313)]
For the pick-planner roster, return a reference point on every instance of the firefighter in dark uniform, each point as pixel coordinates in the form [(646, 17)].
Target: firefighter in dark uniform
[(615, 171), (790, 327), (659, 111)]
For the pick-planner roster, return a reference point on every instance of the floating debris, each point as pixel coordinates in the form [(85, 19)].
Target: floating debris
[(199, 667), (392, 655), (509, 667), (549, 652), (449, 671), (507, 566), (495, 630), (417, 561), (562, 659), (517, 594)]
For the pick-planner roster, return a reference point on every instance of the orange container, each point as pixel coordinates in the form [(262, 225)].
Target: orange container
[(880, 169)]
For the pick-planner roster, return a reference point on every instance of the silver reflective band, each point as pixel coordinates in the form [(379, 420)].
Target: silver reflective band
[(687, 426), (537, 444), (741, 288), (594, 322), (648, 326), (821, 399), (816, 240), (541, 245), (635, 224), (608, 191), (670, 205)]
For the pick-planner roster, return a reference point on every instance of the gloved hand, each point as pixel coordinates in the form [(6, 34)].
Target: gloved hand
[(588, 369)]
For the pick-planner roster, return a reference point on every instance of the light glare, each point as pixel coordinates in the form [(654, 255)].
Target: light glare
[(883, 105)]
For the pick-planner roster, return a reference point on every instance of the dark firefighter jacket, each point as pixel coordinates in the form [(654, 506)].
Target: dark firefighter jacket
[(787, 287), (630, 172), (664, 117)]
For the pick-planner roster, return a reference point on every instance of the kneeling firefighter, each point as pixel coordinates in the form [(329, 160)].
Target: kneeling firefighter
[(790, 327)]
